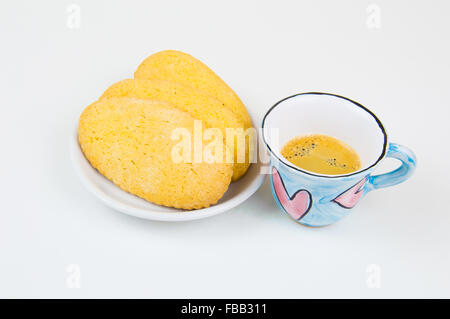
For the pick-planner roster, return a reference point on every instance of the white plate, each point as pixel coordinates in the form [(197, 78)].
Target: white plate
[(132, 205)]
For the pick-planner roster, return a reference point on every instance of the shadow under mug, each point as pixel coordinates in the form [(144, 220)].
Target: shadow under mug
[(316, 199)]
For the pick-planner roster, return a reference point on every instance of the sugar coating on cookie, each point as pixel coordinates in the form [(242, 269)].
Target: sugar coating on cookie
[(193, 101), (130, 142), (181, 67)]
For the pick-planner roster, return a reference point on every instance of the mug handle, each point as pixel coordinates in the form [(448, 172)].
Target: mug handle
[(399, 175)]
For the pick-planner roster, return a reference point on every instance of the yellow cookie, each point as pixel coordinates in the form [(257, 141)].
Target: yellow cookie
[(183, 68), (131, 143), (199, 105)]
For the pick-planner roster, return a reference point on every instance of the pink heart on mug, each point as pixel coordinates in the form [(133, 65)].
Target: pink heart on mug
[(351, 197), (296, 206)]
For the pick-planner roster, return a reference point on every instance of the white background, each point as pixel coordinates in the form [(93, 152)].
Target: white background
[(265, 50)]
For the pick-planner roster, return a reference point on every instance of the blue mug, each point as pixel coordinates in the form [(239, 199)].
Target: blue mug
[(315, 199)]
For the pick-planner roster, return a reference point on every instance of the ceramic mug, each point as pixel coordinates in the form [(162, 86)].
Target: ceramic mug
[(316, 199)]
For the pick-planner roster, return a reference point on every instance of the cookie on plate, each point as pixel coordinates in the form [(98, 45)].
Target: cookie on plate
[(131, 142), (183, 68), (193, 101)]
